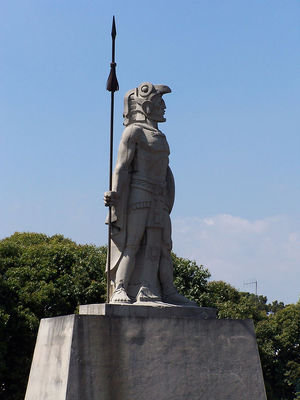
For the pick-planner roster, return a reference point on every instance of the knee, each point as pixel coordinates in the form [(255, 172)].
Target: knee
[(166, 249), (131, 249)]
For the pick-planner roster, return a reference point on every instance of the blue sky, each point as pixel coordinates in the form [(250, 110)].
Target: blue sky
[(232, 123)]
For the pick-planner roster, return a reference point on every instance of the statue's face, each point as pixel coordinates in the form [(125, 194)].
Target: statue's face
[(158, 109)]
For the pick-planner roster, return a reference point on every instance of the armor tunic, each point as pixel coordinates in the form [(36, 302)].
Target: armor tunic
[(146, 182)]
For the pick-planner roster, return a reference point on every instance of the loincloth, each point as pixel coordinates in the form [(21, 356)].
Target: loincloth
[(154, 202)]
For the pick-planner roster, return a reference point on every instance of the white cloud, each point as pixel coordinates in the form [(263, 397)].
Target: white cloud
[(238, 250)]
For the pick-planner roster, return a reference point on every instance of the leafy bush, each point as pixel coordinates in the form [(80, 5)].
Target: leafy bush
[(40, 277)]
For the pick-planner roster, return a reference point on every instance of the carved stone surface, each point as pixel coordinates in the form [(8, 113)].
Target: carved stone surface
[(100, 357), (146, 310), (142, 198)]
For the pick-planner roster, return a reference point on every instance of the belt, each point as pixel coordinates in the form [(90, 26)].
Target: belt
[(156, 188)]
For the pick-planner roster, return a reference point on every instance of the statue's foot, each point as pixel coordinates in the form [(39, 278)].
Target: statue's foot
[(145, 294), (178, 300), (120, 296)]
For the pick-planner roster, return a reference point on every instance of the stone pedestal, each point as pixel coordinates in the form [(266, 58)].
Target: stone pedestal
[(114, 352)]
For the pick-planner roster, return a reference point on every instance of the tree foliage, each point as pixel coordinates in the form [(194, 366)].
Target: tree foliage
[(42, 276), (278, 338), (189, 278)]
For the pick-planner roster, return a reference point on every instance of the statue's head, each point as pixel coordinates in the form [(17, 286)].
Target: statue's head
[(145, 102)]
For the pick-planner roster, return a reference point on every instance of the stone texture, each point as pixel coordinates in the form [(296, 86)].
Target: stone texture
[(147, 311), (101, 357), (141, 200), (49, 372)]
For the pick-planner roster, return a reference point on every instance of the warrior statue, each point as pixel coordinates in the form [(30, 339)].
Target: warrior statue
[(141, 200)]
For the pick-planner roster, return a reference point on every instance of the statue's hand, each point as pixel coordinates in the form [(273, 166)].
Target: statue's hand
[(110, 198)]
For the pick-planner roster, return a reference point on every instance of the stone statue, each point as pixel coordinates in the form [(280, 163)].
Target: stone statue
[(142, 198)]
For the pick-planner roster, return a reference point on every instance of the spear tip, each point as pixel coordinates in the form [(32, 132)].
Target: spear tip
[(113, 29)]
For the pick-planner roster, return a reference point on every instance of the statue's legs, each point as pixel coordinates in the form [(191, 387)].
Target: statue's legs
[(166, 270), (169, 292), (157, 262), (153, 271), (166, 262), (145, 276), (136, 223)]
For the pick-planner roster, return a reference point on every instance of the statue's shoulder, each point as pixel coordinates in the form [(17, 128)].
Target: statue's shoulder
[(132, 132)]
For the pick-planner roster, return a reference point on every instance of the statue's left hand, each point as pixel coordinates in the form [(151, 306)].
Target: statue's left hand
[(110, 198)]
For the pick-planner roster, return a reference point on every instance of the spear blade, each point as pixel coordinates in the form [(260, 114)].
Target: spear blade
[(112, 84), (113, 29)]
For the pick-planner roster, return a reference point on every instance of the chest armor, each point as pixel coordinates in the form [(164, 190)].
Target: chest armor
[(154, 142), (151, 156)]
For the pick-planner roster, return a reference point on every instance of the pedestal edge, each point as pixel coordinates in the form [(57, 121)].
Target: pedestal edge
[(147, 311)]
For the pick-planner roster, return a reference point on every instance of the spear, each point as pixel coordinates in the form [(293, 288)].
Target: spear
[(112, 86)]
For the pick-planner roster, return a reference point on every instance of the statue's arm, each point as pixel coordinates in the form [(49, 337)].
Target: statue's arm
[(124, 160), (123, 165), (116, 198), (170, 188)]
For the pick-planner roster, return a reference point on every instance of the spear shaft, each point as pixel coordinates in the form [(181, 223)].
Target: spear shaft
[(112, 86)]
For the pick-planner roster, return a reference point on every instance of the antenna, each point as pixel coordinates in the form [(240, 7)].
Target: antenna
[(252, 283)]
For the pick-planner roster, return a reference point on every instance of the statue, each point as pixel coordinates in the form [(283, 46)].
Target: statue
[(141, 200)]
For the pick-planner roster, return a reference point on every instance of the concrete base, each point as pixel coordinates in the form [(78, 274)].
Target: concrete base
[(109, 357), (148, 310)]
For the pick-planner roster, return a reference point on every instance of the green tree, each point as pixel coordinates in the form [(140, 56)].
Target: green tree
[(40, 277), (190, 279), (278, 339), (233, 304)]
